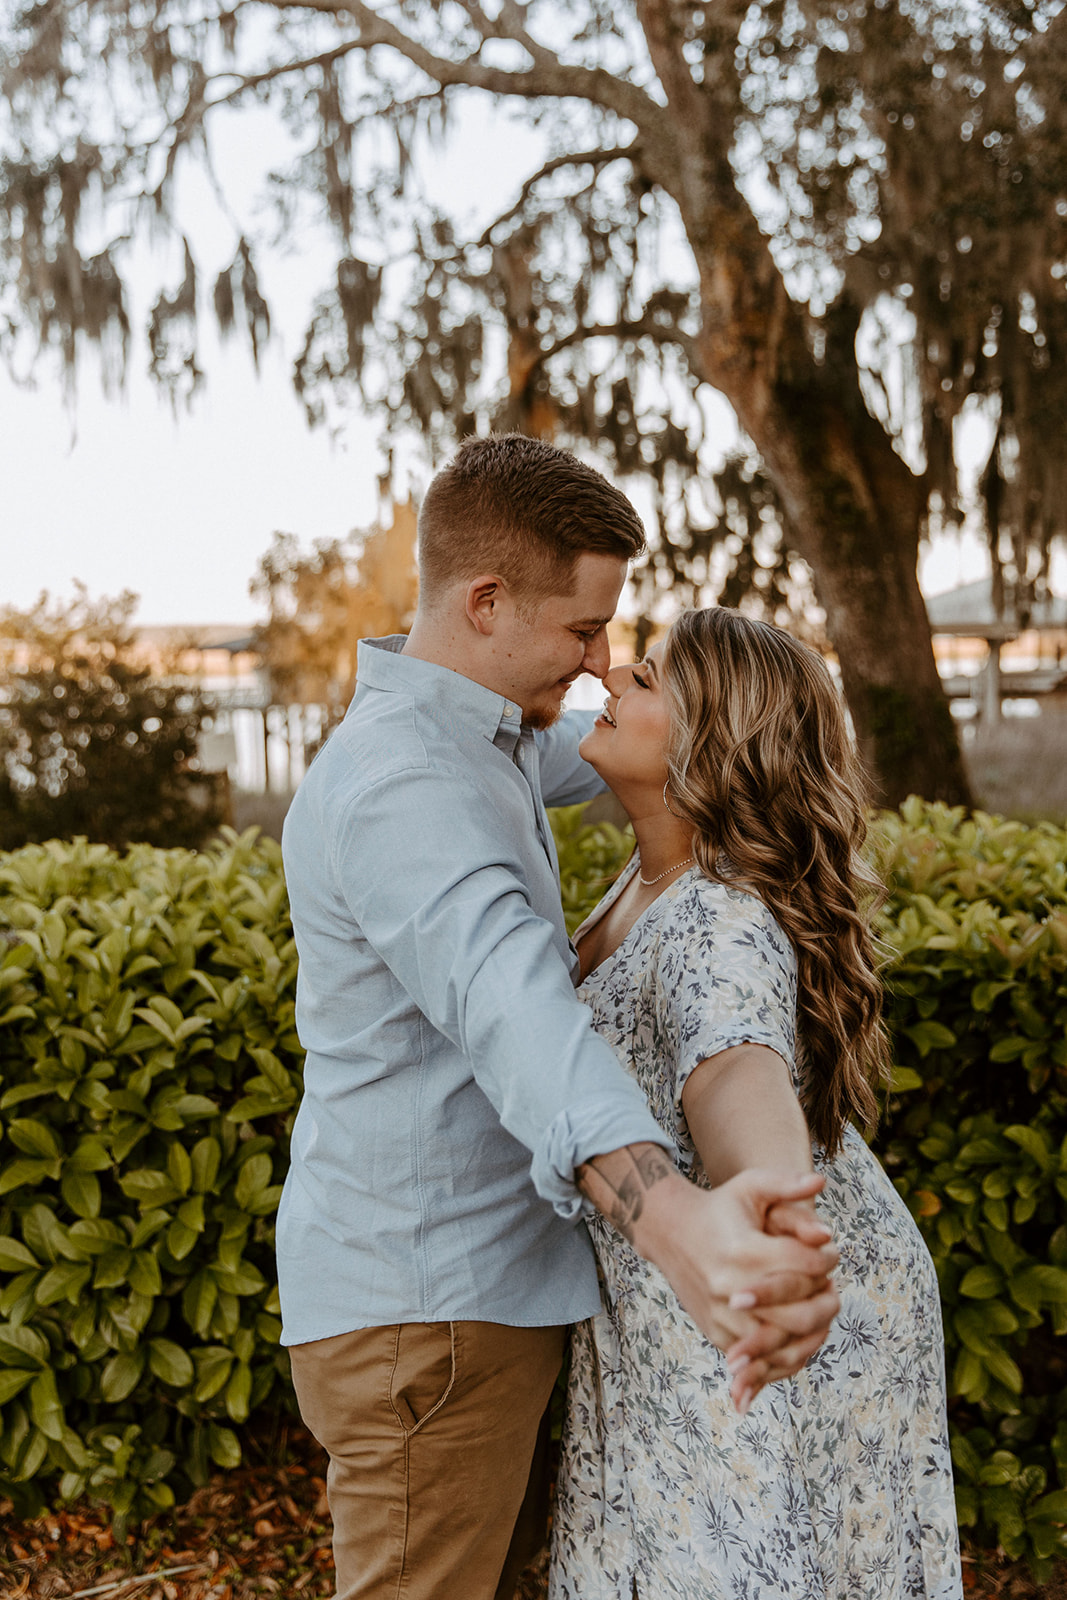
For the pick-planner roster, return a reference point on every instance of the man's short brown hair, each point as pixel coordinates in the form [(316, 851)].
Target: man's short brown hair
[(521, 509)]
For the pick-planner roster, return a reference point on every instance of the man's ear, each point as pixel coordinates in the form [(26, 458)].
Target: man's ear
[(483, 601)]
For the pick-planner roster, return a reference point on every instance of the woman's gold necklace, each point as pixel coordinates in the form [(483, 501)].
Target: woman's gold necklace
[(648, 882)]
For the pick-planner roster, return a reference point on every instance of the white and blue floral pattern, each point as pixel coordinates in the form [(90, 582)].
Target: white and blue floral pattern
[(837, 1485)]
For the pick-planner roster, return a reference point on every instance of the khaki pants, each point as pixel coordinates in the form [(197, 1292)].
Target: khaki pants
[(431, 1431)]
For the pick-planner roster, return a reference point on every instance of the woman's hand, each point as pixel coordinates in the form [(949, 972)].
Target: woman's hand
[(729, 1269), (759, 1357), (713, 1246)]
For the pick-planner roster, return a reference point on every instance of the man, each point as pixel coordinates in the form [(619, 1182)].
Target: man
[(457, 1102)]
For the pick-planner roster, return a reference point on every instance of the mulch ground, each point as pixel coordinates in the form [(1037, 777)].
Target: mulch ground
[(261, 1530), (264, 1530)]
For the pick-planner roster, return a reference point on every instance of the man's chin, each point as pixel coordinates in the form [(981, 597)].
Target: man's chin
[(543, 716)]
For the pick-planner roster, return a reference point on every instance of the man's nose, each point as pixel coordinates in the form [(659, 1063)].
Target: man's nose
[(597, 659)]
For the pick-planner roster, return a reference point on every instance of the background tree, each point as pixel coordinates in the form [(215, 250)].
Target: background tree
[(91, 743), (320, 604), (847, 216)]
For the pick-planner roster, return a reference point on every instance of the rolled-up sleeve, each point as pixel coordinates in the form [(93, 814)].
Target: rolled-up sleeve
[(449, 915)]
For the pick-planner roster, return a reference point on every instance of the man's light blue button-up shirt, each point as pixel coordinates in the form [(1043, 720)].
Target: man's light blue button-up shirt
[(453, 1080)]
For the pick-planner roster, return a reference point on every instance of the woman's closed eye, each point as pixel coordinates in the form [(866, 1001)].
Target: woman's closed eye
[(642, 683)]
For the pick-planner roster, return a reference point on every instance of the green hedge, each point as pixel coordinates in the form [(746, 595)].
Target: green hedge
[(149, 1069), (149, 1066), (976, 1140)]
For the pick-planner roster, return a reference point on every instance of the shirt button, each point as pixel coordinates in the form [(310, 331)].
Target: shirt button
[(511, 712), (521, 755)]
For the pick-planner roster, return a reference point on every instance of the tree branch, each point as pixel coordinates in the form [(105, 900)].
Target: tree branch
[(514, 14), (509, 23), (641, 328), (549, 78), (198, 104), (255, 80), (196, 110), (701, 116), (660, 24), (596, 158)]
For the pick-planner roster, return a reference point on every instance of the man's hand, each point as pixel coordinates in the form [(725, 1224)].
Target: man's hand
[(714, 1249)]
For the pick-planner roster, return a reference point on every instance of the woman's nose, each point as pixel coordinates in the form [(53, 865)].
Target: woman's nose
[(615, 679)]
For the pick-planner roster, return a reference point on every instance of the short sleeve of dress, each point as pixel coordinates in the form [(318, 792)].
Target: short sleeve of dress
[(726, 976)]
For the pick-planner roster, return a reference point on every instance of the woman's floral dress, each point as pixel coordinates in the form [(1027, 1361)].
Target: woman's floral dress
[(837, 1485)]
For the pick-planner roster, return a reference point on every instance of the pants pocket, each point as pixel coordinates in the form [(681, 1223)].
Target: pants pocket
[(424, 1372)]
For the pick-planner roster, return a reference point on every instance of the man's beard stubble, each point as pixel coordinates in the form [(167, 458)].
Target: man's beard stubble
[(540, 717)]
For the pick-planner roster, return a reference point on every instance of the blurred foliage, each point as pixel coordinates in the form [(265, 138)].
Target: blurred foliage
[(321, 603), (93, 741), (591, 856)]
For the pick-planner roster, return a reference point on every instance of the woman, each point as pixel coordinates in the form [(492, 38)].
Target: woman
[(731, 966)]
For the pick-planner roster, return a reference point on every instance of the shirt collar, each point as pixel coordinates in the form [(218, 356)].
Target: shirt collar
[(380, 665)]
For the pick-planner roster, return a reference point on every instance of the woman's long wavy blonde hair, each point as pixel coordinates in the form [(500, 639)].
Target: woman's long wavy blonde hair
[(762, 767)]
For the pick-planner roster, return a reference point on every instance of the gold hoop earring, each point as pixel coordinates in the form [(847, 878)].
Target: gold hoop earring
[(666, 802)]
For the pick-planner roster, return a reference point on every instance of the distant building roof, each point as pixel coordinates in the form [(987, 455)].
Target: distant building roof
[(969, 612), (236, 637)]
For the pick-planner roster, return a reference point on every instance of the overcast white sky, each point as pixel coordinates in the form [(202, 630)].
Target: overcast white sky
[(122, 495)]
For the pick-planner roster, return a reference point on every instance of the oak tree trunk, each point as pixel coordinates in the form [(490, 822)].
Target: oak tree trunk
[(854, 511), (852, 506)]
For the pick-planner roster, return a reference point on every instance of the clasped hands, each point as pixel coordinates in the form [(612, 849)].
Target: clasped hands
[(750, 1262)]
